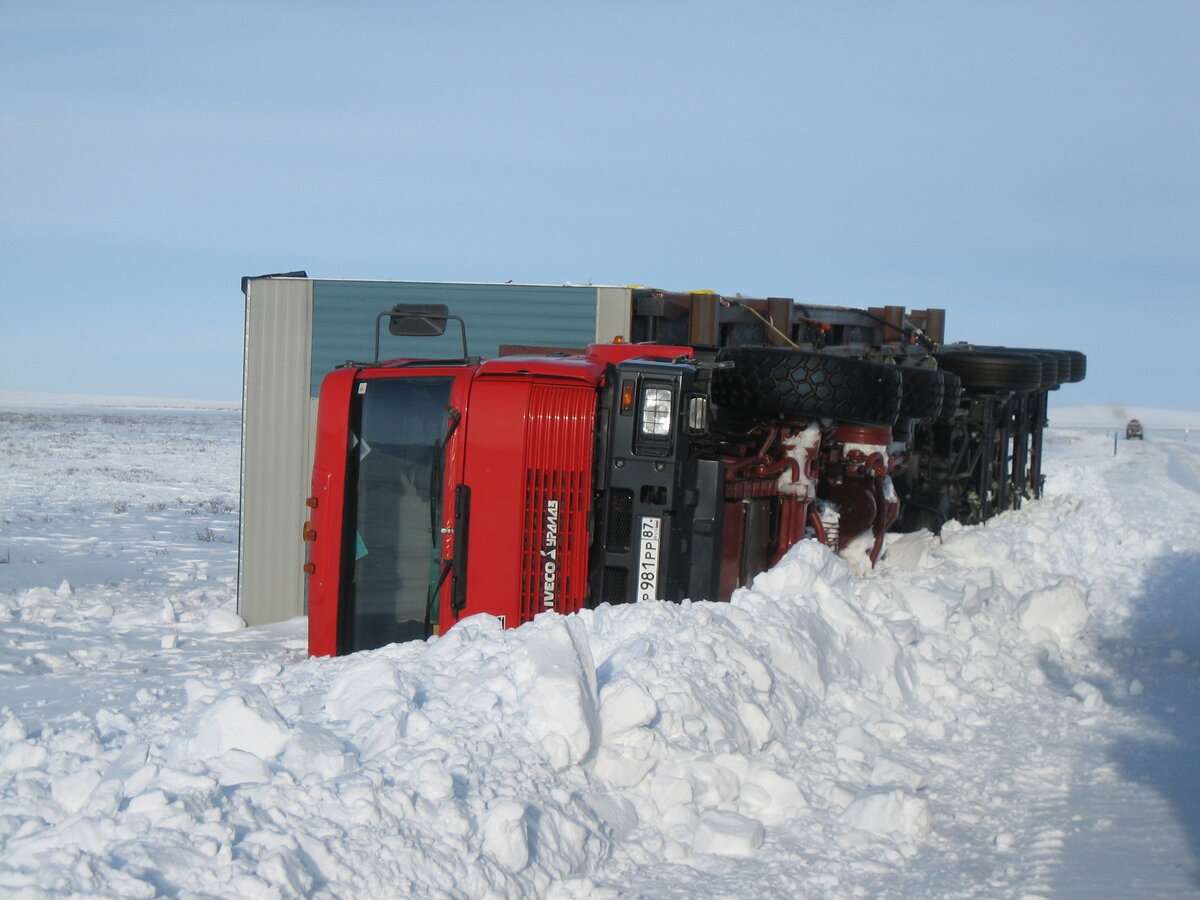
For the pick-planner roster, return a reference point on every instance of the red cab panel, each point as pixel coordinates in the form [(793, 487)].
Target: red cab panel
[(529, 466)]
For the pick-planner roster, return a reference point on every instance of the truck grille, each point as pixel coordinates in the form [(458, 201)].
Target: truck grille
[(558, 484), (620, 520), (616, 585)]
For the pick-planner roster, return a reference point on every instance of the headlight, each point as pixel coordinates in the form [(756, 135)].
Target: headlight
[(656, 412)]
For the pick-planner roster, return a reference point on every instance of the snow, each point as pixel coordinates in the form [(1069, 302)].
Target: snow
[(1011, 710)]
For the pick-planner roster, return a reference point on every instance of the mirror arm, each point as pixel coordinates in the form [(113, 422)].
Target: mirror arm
[(462, 327)]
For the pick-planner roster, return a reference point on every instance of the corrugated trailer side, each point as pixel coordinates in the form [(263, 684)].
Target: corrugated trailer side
[(277, 416)]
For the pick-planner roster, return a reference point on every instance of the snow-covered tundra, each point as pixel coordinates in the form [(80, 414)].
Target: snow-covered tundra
[(1011, 710)]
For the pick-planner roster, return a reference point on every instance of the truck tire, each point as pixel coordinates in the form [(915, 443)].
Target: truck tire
[(953, 394), (1066, 365), (1050, 374), (922, 393), (1072, 365), (780, 384), (1078, 365), (993, 370), (1056, 365)]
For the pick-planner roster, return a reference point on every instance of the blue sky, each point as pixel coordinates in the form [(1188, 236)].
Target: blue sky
[(1034, 168)]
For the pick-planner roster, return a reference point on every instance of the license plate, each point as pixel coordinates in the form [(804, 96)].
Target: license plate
[(647, 573)]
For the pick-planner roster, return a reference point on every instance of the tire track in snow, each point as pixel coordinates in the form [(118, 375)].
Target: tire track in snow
[(1117, 847), (1044, 847)]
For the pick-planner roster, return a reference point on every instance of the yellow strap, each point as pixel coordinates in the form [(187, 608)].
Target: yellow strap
[(771, 325)]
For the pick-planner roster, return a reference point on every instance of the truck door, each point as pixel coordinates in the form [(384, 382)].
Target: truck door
[(392, 475)]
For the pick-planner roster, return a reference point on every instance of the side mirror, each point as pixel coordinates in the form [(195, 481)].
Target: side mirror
[(418, 319)]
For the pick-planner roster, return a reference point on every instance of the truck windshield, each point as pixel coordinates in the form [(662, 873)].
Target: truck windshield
[(392, 535)]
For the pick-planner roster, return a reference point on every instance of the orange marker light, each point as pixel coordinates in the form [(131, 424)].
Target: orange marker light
[(628, 390)]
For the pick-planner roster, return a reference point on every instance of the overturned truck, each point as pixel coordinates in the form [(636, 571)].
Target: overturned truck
[(676, 464)]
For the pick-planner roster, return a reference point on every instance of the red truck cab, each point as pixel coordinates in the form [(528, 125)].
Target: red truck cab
[(510, 486)]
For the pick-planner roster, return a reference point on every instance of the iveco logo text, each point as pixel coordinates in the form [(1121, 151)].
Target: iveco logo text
[(549, 555)]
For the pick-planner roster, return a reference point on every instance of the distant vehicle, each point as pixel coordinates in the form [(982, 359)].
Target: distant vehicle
[(1134, 430)]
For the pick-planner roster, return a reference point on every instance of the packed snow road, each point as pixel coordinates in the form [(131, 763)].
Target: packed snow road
[(1010, 711), (1141, 770)]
